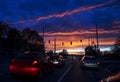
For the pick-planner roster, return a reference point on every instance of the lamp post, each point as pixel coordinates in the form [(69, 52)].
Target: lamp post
[(43, 39), (97, 41), (97, 37)]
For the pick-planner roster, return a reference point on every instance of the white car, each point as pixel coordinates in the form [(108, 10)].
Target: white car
[(89, 62)]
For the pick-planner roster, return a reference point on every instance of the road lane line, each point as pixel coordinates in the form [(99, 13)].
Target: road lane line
[(60, 79)]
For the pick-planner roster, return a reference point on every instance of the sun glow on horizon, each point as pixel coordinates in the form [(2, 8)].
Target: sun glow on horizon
[(81, 51)]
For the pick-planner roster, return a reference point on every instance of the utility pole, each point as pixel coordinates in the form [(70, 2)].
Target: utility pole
[(97, 37), (97, 45), (43, 33), (89, 41), (54, 45), (43, 39)]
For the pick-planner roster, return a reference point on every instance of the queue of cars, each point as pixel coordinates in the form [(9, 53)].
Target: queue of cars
[(33, 64), (58, 60), (36, 64)]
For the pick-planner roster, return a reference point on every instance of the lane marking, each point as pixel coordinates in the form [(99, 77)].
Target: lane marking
[(60, 79)]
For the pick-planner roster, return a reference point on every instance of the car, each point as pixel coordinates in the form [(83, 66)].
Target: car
[(58, 60), (113, 78), (89, 62), (31, 64)]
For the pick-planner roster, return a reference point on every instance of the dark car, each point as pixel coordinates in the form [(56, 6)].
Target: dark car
[(58, 60), (89, 62), (30, 64)]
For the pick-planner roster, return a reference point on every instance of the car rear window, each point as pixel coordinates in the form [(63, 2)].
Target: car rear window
[(54, 57), (90, 58), (27, 56)]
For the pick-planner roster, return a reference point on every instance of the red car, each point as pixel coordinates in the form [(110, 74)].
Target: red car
[(30, 64)]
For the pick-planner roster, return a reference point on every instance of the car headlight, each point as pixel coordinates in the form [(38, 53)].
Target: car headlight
[(55, 62)]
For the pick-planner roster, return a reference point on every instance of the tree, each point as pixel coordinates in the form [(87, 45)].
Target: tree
[(34, 40), (116, 48), (90, 51), (50, 53), (14, 40), (64, 53), (3, 29)]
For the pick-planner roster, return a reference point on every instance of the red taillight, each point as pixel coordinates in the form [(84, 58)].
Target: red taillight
[(83, 62), (98, 62), (51, 61), (11, 67), (34, 62), (13, 60)]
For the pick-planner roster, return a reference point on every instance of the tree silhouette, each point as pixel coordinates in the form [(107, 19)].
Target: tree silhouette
[(3, 29), (117, 46), (13, 41), (34, 40), (90, 51)]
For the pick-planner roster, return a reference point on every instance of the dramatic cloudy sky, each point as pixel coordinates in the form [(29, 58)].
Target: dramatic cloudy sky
[(68, 20)]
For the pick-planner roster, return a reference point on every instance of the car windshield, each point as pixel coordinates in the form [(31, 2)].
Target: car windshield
[(26, 56), (54, 57), (90, 58)]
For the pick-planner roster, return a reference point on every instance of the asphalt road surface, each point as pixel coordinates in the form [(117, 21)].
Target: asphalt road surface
[(71, 72)]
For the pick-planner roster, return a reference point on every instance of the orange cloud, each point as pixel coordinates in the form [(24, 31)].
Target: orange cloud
[(83, 35), (76, 43), (82, 32)]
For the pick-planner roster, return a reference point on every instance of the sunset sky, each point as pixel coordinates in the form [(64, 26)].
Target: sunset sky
[(67, 20)]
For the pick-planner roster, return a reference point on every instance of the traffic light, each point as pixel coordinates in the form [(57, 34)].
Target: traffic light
[(62, 43), (80, 40), (49, 41), (93, 42)]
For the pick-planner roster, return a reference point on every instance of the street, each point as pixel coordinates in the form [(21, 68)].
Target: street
[(71, 72)]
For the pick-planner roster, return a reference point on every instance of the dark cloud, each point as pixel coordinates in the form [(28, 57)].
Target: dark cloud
[(61, 15)]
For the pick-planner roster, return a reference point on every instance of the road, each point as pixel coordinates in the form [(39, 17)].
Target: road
[(71, 72)]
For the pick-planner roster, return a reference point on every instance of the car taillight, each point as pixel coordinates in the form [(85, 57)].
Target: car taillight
[(83, 62), (13, 60), (35, 62), (51, 61), (98, 62)]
